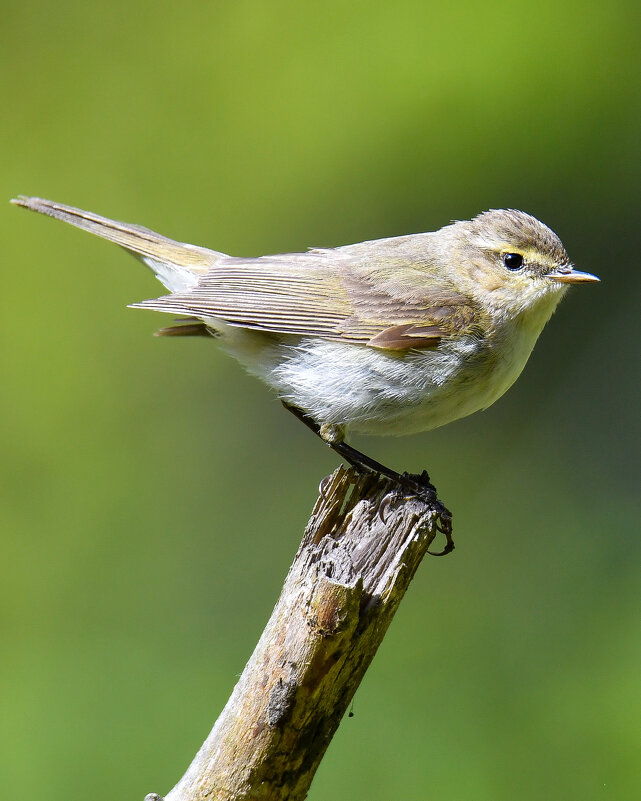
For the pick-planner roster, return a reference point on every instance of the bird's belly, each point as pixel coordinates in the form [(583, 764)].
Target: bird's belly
[(377, 392), (371, 391)]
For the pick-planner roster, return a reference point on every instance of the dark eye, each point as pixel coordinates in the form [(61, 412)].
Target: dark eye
[(513, 261)]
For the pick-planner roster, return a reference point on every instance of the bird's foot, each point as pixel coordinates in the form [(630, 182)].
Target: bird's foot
[(412, 485), (409, 485)]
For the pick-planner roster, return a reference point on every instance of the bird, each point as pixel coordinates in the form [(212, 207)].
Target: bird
[(387, 336)]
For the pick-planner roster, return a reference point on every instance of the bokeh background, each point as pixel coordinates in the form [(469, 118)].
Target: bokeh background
[(153, 495)]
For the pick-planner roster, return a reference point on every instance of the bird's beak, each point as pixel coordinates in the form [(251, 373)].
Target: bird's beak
[(572, 276)]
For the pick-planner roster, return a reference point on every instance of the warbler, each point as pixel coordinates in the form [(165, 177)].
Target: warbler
[(389, 336)]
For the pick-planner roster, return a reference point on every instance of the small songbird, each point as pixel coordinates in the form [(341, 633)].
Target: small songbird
[(390, 336)]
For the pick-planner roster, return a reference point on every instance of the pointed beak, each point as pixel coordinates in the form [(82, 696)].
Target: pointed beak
[(572, 276)]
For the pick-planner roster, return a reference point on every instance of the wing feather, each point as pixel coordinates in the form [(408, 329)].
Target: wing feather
[(326, 294)]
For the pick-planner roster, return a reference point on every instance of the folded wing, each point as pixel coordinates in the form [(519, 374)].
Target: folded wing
[(327, 294)]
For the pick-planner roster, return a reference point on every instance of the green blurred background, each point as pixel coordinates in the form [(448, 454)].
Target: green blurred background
[(153, 495)]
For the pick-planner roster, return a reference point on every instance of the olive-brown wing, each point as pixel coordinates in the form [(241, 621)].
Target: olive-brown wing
[(313, 294)]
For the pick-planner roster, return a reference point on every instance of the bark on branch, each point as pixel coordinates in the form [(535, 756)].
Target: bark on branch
[(362, 546)]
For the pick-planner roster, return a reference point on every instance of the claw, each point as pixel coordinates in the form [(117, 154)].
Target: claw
[(382, 509), (323, 486), (444, 525), (447, 548)]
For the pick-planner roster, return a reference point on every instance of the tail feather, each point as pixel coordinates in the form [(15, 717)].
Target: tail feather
[(187, 327), (147, 245)]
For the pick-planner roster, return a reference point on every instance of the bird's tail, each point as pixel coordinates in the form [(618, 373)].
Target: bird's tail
[(176, 264)]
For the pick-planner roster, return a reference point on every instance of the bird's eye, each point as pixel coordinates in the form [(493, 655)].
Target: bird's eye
[(513, 261)]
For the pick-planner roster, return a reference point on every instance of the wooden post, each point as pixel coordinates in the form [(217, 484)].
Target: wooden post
[(362, 546)]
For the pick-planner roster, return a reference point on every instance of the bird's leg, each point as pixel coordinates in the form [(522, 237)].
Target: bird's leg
[(359, 460), (419, 485)]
